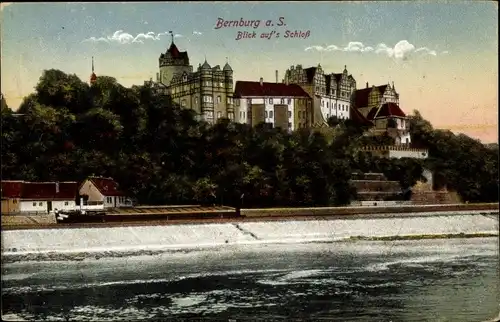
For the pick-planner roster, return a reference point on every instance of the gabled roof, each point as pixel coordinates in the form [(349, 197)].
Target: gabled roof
[(106, 186), (386, 110), (49, 190), (361, 95), (310, 73), (358, 118), (255, 89), (12, 189)]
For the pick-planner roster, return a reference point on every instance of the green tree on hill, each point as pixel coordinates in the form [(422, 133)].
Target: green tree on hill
[(161, 154)]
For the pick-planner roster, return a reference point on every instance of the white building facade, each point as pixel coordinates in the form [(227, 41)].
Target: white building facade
[(278, 104), (331, 93)]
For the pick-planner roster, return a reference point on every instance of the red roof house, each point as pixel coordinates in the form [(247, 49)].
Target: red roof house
[(106, 190)]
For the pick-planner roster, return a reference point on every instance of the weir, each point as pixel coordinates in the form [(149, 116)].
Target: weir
[(193, 236)]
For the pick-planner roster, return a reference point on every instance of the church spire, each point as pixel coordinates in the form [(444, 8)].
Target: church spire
[(172, 35), (93, 76)]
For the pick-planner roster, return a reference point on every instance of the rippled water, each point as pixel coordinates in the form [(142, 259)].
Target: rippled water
[(428, 280)]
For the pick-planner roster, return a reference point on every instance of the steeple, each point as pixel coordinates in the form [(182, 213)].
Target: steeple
[(172, 35), (93, 76)]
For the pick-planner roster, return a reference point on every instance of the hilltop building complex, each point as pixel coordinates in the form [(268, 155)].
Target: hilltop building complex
[(305, 98), (208, 90)]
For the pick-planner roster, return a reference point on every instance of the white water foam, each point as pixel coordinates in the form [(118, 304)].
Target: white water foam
[(171, 237)]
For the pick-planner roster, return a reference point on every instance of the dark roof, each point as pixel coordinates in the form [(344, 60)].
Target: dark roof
[(244, 88), (361, 95), (358, 118), (310, 72), (107, 186), (337, 77), (39, 190), (12, 189), (49, 190), (386, 110), (175, 53)]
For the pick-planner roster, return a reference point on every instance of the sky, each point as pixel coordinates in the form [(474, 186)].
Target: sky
[(442, 57)]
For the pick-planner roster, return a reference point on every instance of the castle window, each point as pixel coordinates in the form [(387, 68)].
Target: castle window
[(196, 100), (289, 101), (266, 114), (219, 115), (230, 115), (289, 114), (34, 204), (282, 101), (249, 101), (218, 99), (270, 101), (271, 114), (229, 100), (183, 103), (221, 84)]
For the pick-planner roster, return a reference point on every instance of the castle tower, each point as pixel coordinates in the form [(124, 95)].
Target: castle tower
[(228, 83), (173, 62), (93, 76)]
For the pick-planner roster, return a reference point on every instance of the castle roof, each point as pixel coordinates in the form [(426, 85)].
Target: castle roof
[(205, 65), (386, 110), (247, 89), (361, 95), (227, 67), (358, 118), (175, 53)]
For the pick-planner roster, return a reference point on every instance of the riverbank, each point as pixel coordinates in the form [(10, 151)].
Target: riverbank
[(174, 216), (139, 239)]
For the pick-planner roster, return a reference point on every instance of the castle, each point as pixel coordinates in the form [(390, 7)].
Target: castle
[(305, 97), (208, 90)]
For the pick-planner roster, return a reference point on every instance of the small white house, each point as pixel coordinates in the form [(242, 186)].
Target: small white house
[(46, 197), (105, 190)]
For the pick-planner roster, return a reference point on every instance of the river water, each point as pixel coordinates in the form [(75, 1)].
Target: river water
[(419, 280)]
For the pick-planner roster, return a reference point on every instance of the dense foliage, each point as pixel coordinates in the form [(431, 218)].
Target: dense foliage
[(161, 154)]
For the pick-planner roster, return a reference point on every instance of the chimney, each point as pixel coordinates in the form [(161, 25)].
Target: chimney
[(261, 81), (57, 187), (276, 76), (366, 84)]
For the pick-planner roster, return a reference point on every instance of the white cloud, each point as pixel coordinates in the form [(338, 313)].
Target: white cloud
[(401, 51), (124, 38), (198, 33)]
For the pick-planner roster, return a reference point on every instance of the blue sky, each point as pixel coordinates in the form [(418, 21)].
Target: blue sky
[(445, 65)]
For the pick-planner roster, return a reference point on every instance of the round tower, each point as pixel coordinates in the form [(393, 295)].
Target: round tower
[(173, 62)]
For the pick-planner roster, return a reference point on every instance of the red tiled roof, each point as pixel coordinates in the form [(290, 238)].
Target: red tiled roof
[(244, 88), (12, 189), (361, 95), (107, 186), (48, 190), (358, 118), (386, 110)]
